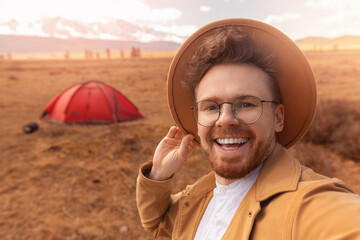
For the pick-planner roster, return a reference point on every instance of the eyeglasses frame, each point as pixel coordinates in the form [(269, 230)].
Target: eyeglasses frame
[(232, 110)]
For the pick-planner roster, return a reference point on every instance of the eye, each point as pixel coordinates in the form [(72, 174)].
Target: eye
[(211, 108), (207, 106), (245, 105)]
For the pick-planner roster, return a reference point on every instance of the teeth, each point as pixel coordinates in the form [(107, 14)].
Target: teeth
[(229, 148), (232, 140)]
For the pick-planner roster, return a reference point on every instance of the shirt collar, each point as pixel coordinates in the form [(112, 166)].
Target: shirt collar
[(239, 185)]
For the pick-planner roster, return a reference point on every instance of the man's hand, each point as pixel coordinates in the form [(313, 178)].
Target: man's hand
[(171, 154)]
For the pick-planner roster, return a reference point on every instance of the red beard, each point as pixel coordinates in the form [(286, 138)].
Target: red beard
[(235, 168)]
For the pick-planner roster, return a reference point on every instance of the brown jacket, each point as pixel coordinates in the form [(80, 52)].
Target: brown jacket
[(288, 201)]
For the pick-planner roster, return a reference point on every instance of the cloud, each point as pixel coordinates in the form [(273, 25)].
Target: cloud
[(204, 8), (343, 16), (86, 11), (120, 19), (316, 4), (339, 11), (23, 28), (67, 28), (174, 32), (237, 0), (11, 24), (277, 19), (113, 29), (333, 4), (165, 14)]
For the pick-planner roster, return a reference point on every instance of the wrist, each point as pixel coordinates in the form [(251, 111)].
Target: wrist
[(158, 176)]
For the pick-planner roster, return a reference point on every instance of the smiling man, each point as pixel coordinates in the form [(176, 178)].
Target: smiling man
[(238, 134), (244, 92)]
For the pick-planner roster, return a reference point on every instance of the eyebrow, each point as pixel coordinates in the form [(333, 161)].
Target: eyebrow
[(217, 99)]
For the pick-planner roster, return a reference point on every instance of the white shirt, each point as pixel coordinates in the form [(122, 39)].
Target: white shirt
[(223, 205)]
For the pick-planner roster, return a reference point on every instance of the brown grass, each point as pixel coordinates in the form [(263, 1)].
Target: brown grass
[(337, 126), (78, 182)]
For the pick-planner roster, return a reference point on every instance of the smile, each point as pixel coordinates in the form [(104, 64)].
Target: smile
[(231, 143)]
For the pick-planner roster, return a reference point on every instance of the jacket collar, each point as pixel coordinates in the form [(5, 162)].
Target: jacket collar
[(280, 173), (202, 186)]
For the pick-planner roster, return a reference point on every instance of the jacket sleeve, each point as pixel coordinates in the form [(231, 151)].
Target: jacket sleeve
[(329, 210), (157, 207)]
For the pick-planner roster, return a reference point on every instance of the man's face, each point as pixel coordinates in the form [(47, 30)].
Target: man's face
[(225, 83)]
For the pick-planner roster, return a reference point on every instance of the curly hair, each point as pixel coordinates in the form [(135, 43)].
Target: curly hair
[(229, 45)]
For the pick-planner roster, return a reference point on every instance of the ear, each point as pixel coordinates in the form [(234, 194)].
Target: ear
[(279, 115)]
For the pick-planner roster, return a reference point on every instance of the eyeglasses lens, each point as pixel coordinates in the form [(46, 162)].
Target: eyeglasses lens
[(245, 109)]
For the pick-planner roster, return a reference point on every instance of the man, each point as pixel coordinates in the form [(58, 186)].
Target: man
[(252, 95)]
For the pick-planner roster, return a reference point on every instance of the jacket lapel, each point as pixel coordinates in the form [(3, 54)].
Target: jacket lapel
[(280, 173), (192, 206)]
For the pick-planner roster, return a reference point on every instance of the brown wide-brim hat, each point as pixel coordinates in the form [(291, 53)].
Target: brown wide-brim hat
[(294, 76)]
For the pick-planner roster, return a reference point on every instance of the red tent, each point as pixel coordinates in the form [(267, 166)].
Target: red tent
[(90, 102)]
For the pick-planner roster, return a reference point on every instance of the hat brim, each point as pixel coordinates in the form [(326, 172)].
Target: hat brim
[(294, 76)]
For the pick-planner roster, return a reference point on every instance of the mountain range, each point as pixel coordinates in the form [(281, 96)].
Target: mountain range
[(322, 43), (15, 44)]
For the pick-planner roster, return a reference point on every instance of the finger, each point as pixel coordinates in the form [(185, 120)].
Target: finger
[(178, 134), (192, 144), (172, 132), (186, 147)]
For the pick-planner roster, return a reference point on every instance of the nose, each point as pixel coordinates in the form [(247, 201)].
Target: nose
[(227, 117)]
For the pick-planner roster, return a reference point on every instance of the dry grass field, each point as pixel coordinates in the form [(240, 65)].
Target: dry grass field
[(68, 182)]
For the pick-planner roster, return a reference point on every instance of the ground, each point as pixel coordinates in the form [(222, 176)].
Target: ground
[(78, 181)]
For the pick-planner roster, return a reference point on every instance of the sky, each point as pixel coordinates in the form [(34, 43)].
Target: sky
[(173, 20)]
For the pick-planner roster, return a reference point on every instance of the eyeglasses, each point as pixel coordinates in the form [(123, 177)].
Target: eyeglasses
[(247, 109)]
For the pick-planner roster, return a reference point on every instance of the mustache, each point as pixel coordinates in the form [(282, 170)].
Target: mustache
[(217, 132)]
